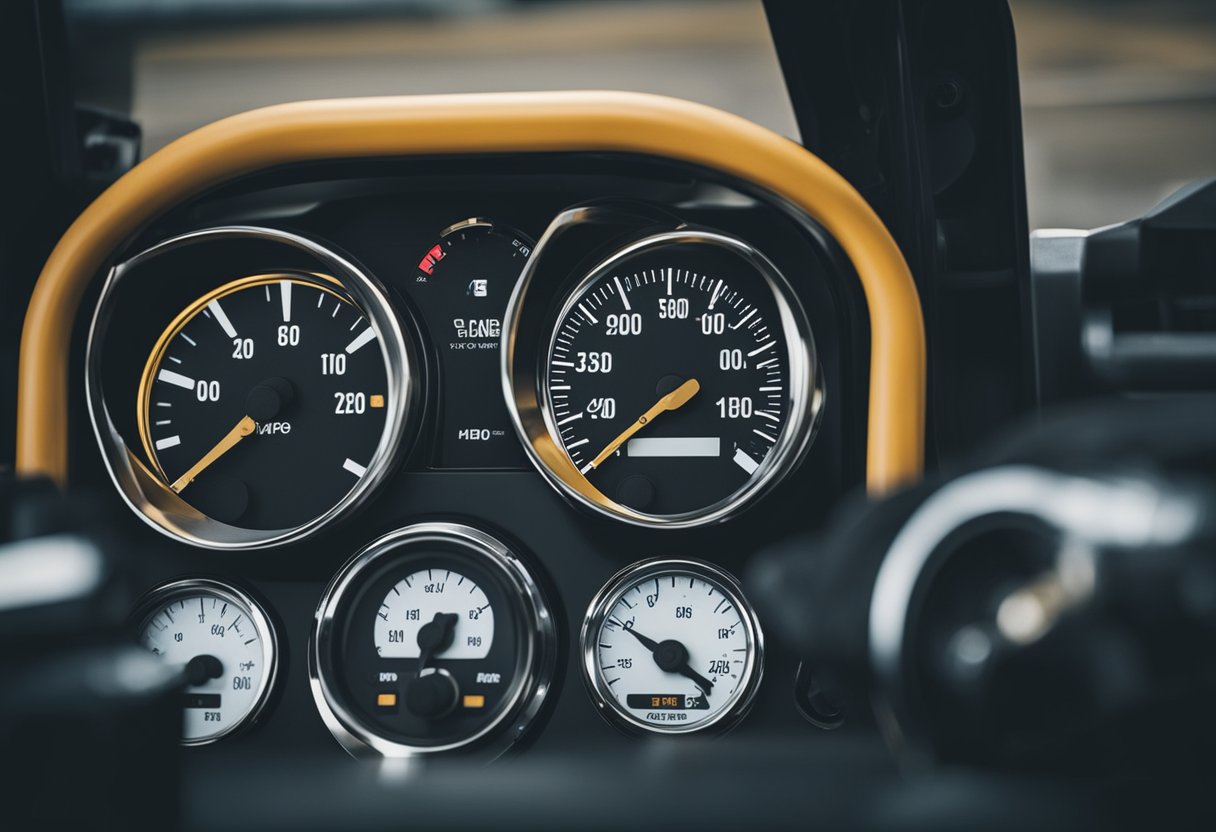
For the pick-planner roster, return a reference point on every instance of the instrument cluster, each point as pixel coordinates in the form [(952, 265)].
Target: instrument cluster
[(305, 392)]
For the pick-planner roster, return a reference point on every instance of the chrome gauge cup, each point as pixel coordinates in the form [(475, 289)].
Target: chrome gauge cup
[(434, 638), (226, 647), (676, 384), (672, 647)]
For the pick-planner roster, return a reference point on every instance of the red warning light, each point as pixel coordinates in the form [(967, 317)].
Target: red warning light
[(433, 256)]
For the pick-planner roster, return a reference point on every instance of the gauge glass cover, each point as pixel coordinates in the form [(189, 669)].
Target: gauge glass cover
[(679, 379), (672, 647), (433, 638), (286, 371), (226, 646)]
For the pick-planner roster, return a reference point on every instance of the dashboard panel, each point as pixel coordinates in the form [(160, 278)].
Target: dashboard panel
[(322, 384)]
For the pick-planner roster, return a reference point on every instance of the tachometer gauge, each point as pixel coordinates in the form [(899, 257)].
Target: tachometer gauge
[(679, 380), (224, 644), (433, 638), (672, 647)]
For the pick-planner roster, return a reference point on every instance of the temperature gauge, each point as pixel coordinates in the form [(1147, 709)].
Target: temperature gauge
[(673, 647), (224, 644)]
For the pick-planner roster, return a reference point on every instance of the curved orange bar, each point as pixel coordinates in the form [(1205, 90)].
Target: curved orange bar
[(472, 124)]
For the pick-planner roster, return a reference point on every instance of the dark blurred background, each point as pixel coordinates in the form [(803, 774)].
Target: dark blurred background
[(1119, 97)]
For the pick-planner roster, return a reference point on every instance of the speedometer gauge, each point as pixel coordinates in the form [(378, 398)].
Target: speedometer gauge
[(248, 386), (672, 647), (263, 403), (680, 379)]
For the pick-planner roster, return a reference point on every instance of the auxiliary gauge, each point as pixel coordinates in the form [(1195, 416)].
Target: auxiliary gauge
[(433, 638), (225, 646), (672, 647)]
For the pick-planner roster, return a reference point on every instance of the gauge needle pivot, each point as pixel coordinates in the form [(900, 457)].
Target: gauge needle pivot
[(435, 636), (242, 429), (672, 401), (262, 404), (672, 657)]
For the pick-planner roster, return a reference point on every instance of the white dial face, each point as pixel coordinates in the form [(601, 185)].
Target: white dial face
[(415, 600), (223, 652), (673, 651)]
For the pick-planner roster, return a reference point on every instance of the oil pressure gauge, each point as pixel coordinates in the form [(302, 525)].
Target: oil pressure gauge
[(225, 646), (433, 638), (672, 647)]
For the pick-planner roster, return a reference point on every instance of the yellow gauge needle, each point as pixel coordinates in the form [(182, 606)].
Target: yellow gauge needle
[(672, 401), (243, 428)]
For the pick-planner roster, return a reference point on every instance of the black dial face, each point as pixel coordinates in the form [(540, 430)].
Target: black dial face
[(431, 650), (265, 401), (668, 378), (462, 284)]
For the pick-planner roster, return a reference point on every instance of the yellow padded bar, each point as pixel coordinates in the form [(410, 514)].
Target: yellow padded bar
[(478, 124)]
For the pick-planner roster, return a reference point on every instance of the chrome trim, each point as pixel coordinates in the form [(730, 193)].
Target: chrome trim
[(526, 389), (606, 599), (154, 600), (535, 624), (1122, 513), (151, 498)]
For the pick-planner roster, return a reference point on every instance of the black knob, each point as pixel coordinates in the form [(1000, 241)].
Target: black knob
[(432, 696), (202, 669), (670, 655)]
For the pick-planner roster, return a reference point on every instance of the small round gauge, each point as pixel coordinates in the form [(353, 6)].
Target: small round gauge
[(476, 258), (267, 404), (672, 647), (225, 646), (680, 381), (433, 638), (461, 284)]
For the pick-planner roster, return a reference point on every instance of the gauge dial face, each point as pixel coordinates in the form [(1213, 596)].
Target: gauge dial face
[(224, 644), (429, 640), (265, 401), (415, 601), (672, 647), (677, 377)]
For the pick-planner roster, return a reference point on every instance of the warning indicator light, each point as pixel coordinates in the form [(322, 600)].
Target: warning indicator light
[(427, 264)]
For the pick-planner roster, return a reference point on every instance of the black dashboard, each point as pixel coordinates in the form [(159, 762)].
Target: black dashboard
[(425, 256)]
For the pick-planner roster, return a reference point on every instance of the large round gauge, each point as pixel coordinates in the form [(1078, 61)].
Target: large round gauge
[(225, 646), (264, 401), (672, 647), (433, 638), (267, 405), (679, 380)]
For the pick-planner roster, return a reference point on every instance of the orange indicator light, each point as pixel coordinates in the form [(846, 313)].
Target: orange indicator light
[(474, 701), (386, 700), (376, 400)]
